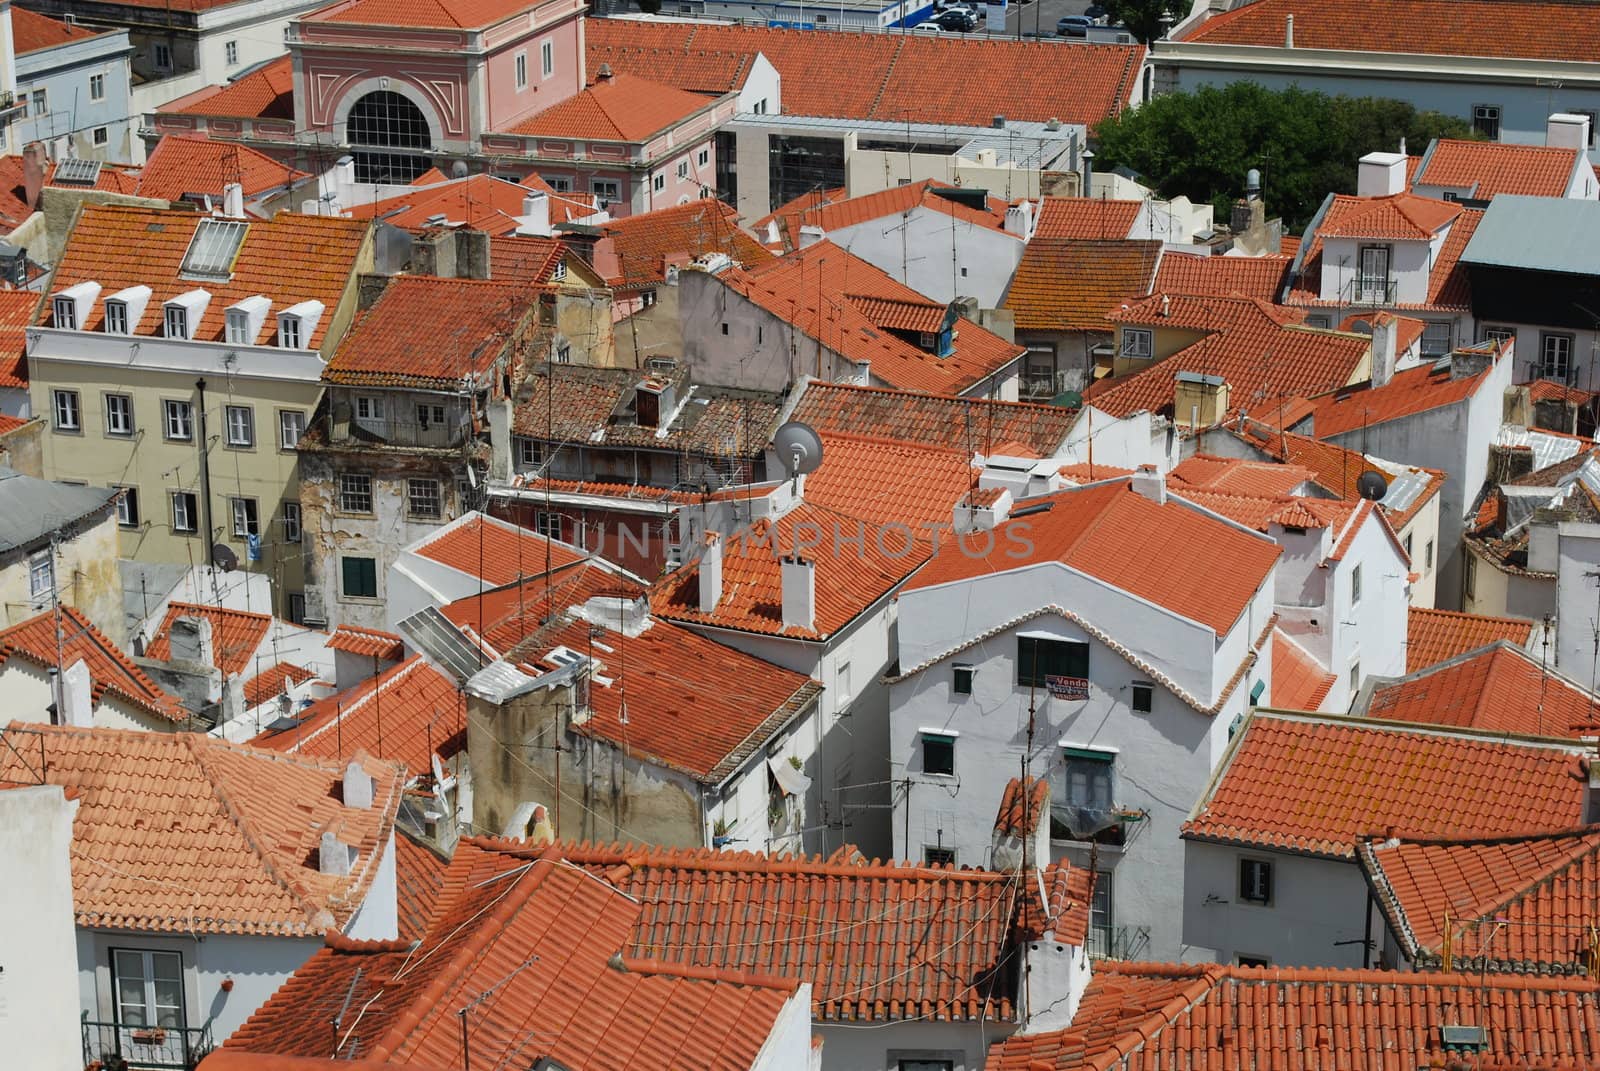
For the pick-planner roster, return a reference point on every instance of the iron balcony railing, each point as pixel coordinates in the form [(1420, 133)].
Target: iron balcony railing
[(120, 1046), (1118, 942), (1360, 291)]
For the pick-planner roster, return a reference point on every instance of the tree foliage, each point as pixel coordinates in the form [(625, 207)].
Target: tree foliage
[(1147, 20), (1305, 144)]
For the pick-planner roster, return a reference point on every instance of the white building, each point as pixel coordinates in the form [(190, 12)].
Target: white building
[(40, 1026), (1464, 170), (1086, 637)]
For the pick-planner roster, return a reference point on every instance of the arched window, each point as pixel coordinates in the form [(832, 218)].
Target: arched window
[(386, 120)]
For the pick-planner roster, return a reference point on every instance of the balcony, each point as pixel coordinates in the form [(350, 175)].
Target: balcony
[(1118, 942), (115, 1046), (1114, 826), (1375, 292)]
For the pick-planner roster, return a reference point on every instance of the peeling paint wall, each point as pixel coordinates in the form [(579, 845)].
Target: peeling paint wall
[(87, 577)]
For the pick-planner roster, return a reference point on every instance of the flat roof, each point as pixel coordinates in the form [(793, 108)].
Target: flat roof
[(1538, 233), (1021, 142)]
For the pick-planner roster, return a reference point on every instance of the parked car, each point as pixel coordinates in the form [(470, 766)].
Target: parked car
[(957, 20), (1074, 26)]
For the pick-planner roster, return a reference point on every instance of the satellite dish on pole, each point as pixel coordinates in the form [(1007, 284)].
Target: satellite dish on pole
[(800, 447), (1372, 485), (223, 557)]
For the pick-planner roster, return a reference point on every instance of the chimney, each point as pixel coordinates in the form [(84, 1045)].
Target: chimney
[(603, 74), (1464, 364), (535, 218), (34, 164), (233, 200), (1288, 32), (77, 692), (1567, 131), (1166, 306), (810, 235), (799, 593), (711, 573), (1150, 483), (1383, 346), (333, 855), (357, 787), (998, 122), (1019, 220), (1381, 174), (190, 641)]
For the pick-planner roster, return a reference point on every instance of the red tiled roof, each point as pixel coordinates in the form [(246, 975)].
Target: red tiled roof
[(525, 258), (1332, 466), (14, 206), (1487, 168), (482, 202), (1086, 218), (622, 107), (16, 312), (1416, 390), (235, 635), (1238, 476), (643, 243), (1164, 553), (839, 212), (1396, 216), (1544, 390), (1289, 245), (410, 713), (367, 641), (1020, 809), (878, 942), (892, 76), (1155, 1016), (264, 93), (189, 834), (708, 71), (471, 325), (9, 424), (1531, 29), (271, 683), (497, 551), (1291, 511), (1500, 688), (1256, 277), (502, 912), (181, 164), (935, 420), (1434, 636), (1068, 285), (112, 178), (433, 14), (1522, 904), (31, 31), (1082, 472), (109, 669), (1299, 681), (290, 259), (419, 873), (1317, 785), (1447, 279)]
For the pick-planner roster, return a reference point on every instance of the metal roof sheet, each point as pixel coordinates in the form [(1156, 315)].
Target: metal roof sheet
[(1553, 234)]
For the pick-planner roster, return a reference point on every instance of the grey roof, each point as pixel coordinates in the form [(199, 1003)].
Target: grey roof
[(1025, 143), (1554, 234), (30, 509)]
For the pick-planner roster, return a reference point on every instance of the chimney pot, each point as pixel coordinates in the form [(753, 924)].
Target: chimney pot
[(799, 593), (604, 73), (357, 787), (1150, 483), (1288, 32), (333, 855), (711, 573)]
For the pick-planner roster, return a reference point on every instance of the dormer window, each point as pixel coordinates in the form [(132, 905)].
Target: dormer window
[(125, 308), (297, 324), (183, 313), (244, 320), (289, 332), (177, 321), (71, 306), (116, 317), (66, 313)]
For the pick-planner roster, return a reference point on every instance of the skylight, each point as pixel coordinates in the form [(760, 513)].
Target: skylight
[(75, 172), (212, 251)]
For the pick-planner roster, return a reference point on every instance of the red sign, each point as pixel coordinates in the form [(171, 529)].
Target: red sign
[(1067, 687)]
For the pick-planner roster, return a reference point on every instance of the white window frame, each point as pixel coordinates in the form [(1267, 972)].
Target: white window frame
[(185, 512), (230, 53), (1258, 897), (41, 574), (703, 158), (413, 500), (116, 318), (66, 313), (1558, 367), (1355, 585), (128, 507), (683, 170), (165, 1016), (369, 407), (1138, 343), (354, 486), (291, 522), (246, 515), (119, 415), (659, 183), (177, 418), (68, 410), (100, 136), (176, 321), (548, 524), (97, 87), (605, 189), (241, 424), (1429, 343), (291, 428), (529, 454), (289, 332), (547, 59), (522, 71), (161, 56), (39, 101)]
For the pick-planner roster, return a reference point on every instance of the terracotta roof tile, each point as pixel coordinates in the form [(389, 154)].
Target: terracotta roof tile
[(497, 551), (16, 312), (1238, 476), (1150, 1016), (371, 642), (1413, 391), (471, 324), (482, 202), (235, 635), (1299, 681), (264, 93), (1535, 29), (643, 244), (622, 107), (272, 682), (1397, 216), (186, 833), (1448, 288), (709, 71), (1219, 276), (1498, 687), (1068, 285), (501, 913), (1434, 636), (525, 258), (434, 14), (1159, 553), (290, 259), (1086, 218), (419, 883), (31, 31), (1334, 468), (182, 165), (1020, 810), (109, 669), (1487, 168), (1262, 511), (938, 420), (1316, 785)]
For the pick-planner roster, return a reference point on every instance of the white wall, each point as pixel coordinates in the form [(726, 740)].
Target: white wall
[(1577, 600), (788, 1046), (874, 1047), (1409, 265), (1126, 443), (1423, 530), (1371, 632), (38, 1016), (936, 254), (378, 917)]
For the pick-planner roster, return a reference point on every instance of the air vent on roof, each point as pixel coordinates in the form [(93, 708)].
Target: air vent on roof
[(1039, 507), (77, 172), (1463, 1037), (213, 249)]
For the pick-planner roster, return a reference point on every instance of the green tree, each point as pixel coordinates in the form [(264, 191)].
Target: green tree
[(1305, 144), (1147, 20)]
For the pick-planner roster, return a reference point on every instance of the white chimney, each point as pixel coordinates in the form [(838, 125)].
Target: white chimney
[(1288, 32), (1150, 483), (810, 235), (357, 787), (333, 856), (711, 573), (799, 593), (1567, 131), (77, 696), (233, 200), (1383, 349), (1381, 174), (535, 218), (1020, 220)]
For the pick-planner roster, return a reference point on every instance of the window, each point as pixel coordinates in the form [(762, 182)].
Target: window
[(289, 332), (368, 408), (355, 492), (704, 158), (66, 313), (128, 507), (1472, 576), (424, 498), (925, 1065), (149, 988), (659, 183), (163, 57), (1591, 117), (360, 578), (1252, 961), (528, 453), (1437, 338), (1255, 881), (430, 415), (1355, 677), (245, 521), (116, 318), (1136, 343), (119, 414), (40, 99), (1488, 333), (1144, 697), (563, 354), (961, 683), (683, 170), (67, 413), (938, 754), (1555, 356), (547, 524), (934, 855), (177, 321), (230, 53), (1372, 275), (1407, 544), (1039, 659), (291, 522), (398, 132), (1355, 585), (547, 59), (1427, 556), (297, 607), (291, 425), (100, 135), (241, 425), (559, 272), (1102, 919), (211, 252), (185, 515), (647, 298), (522, 70), (1319, 321), (1086, 778), (97, 87), (41, 574), (1486, 120), (179, 420)]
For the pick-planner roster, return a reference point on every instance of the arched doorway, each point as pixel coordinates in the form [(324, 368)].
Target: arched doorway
[(392, 125)]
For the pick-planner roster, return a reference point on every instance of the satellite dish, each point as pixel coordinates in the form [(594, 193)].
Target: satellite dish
[(458, 169), (800, 447), (223, 557), (1372, 485)]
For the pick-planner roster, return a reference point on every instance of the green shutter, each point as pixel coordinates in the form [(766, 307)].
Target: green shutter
[(361, 578), (1255, 693), (1107, 757)]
